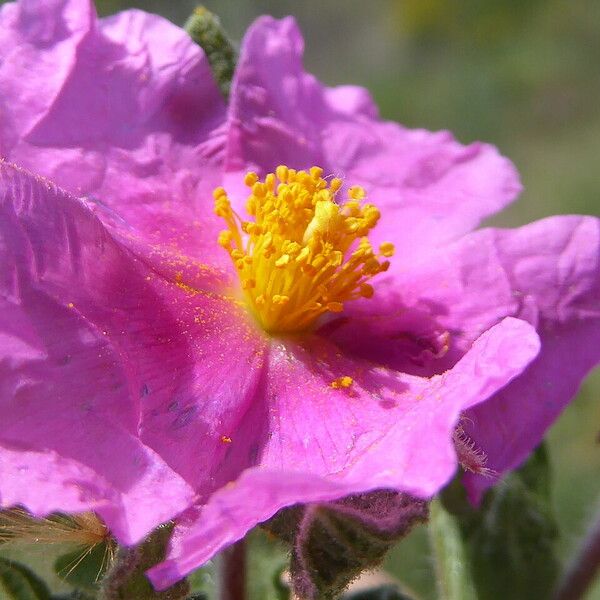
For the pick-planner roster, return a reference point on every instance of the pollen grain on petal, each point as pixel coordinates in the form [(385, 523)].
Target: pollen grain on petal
[(343, 382)]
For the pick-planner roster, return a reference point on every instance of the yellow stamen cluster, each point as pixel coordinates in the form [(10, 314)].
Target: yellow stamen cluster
[(303, 254)]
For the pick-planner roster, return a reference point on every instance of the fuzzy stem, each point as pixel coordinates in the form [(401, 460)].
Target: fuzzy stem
[(451, 565), (584, 568), (232, 572)]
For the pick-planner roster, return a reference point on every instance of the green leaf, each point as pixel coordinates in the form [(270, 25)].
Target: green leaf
[(205, 28), (81, 568), (509, 543), (17, 582)]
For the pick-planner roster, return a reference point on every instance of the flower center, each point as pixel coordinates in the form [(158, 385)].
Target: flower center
[(303, 254)]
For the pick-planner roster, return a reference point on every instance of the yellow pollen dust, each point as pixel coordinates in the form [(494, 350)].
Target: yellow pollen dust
[(342, 382), (303, 254)]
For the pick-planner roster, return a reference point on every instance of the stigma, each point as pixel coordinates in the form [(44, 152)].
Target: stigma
[(302, 254)]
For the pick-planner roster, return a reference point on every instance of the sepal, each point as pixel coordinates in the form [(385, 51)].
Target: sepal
[(126, 578), (332, 543)]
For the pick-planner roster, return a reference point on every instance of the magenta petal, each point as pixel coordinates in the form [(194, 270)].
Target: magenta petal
[(515, 420), (133, 496), (351, 432), (199, 408), (173, 362), (78, 340), (37, 40), (123, 110), (547, 273), (429, 187), (388, 431), (555, 267)]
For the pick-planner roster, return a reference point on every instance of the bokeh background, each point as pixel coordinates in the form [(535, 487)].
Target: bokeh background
[(523, 75)]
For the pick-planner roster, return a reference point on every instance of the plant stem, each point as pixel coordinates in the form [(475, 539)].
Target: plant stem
[(232, 572), (451, 565), (584, 568)]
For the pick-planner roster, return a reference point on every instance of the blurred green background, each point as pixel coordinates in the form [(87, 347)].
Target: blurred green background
[(522, 74)]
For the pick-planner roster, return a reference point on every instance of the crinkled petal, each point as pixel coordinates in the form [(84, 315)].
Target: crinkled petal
[(99, 367), (554, 270), (547, 273), (37, 41), (198, 410), (387, 430), (123, 110), (512, 423), (429, 187)]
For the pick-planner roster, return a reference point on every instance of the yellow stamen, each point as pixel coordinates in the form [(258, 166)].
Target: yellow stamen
[(303, 254), (356, 192)]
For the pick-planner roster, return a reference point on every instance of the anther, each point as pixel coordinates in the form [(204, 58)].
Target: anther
[(387, 249), (356, 192), (250, 179)]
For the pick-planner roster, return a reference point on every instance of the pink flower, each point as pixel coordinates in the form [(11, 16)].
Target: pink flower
[(135, 384)]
